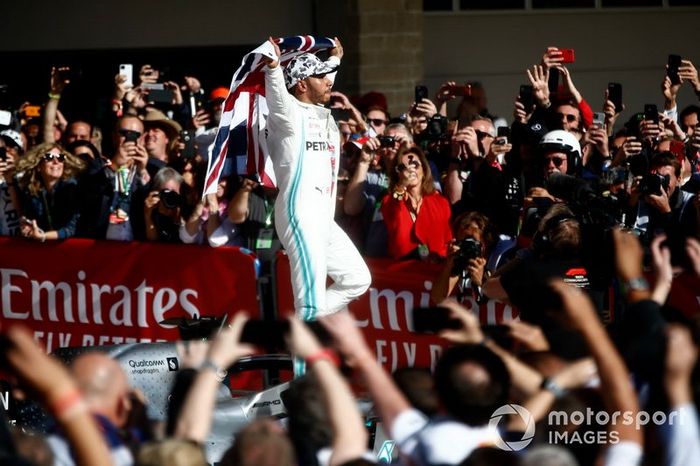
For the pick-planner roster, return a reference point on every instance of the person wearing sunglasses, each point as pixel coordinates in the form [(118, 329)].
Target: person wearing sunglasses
[(368, 184), (474, 176), (112, 193), (567, 117), (377, 119), (49, 192), (561, 153)]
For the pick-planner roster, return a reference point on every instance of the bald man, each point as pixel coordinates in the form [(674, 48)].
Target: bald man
[(107, 393)]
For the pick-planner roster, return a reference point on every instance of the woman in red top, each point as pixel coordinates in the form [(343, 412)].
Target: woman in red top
[(417, 217)]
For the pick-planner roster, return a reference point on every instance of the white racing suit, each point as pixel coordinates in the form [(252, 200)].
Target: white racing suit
[(303, 143)]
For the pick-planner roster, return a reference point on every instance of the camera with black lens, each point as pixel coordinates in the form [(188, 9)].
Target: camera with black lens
[(651, 183), (386, 141), (170, 199), (469, 248), (437, 128)]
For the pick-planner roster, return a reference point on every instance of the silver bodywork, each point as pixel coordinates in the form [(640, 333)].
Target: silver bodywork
[(152, 368)]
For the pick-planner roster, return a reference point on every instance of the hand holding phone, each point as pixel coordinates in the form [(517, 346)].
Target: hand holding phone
[(651, 113), (567, 55), (461, 91), (190, 150), (165, 96), (599, 119), (60, 78), (527, 97), (127, 70), (421, 92), (674, 63), (615, 95), (130, 136), (553, 82), (502, 135)]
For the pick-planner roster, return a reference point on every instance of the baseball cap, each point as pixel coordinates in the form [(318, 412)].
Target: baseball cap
[(11, 136), (305, 65)]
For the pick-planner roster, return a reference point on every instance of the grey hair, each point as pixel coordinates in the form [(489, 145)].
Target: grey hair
[(492, 131), (164, 175), (403, 128)]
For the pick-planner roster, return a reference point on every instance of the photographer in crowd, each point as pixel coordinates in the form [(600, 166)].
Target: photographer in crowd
[(661, 204), (368, 185), (163, 207), (465, 269)]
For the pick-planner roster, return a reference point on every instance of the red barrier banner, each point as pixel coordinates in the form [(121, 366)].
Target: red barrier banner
[(399, 286), (383, 312), (85, 293)]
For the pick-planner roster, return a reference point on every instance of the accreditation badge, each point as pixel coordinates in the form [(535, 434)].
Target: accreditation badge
[(264, 240)]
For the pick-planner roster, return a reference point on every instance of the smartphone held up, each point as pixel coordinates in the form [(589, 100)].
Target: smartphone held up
[(674, 64), (615, 95), (421, 92), (567, 55), (127, 70)]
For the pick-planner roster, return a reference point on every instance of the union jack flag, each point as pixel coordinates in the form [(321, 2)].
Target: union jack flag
[(240, 137)]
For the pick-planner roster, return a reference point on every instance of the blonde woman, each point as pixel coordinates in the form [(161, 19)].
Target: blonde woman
[(48, 192)]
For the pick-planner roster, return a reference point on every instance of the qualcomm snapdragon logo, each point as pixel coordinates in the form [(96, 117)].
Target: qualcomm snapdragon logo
[(528, 421)]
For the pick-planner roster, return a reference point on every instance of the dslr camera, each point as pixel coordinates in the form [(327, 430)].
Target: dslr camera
[(170, 199), (437, 127), (469, 248), (651, 184)]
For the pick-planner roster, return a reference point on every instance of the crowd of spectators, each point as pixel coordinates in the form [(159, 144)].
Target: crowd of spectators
[(554, 213)]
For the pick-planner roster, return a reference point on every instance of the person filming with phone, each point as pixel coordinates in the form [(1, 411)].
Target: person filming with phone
[(108, 191)]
